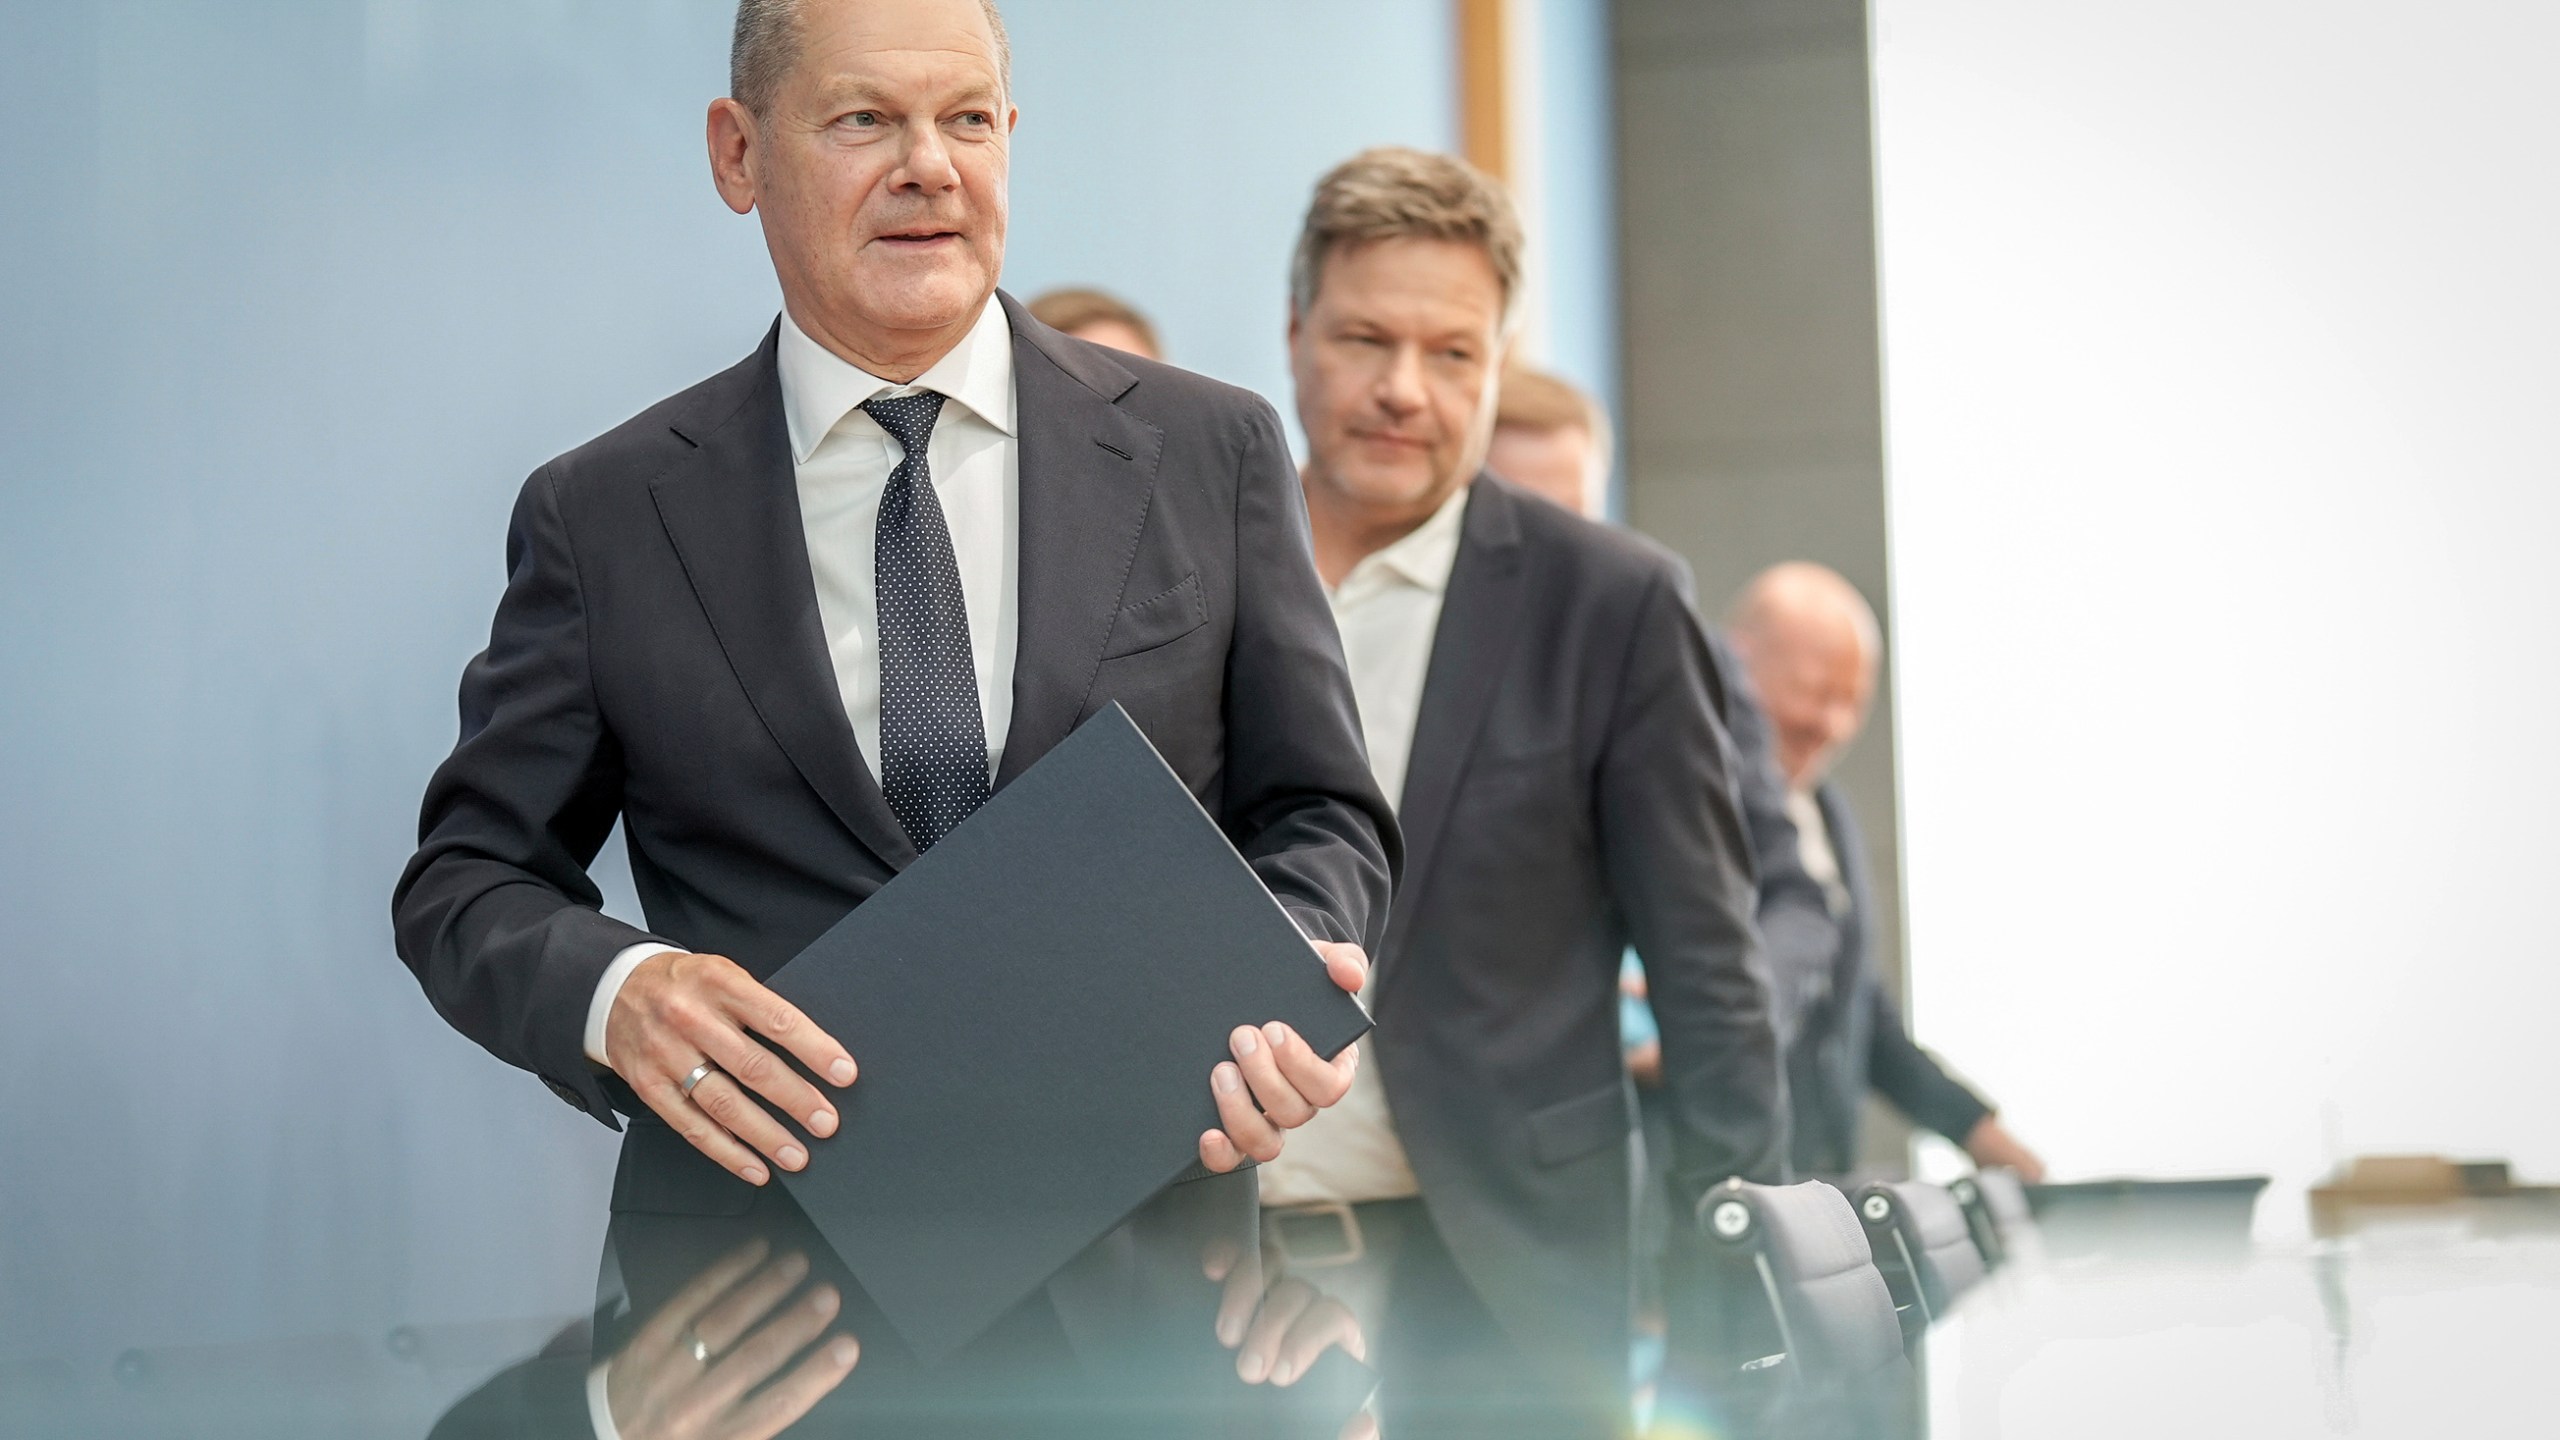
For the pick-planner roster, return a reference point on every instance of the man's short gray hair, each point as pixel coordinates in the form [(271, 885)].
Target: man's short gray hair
[(1392, 193), (766, 42)]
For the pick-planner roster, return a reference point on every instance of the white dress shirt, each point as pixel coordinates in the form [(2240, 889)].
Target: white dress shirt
[(1388, 610), (1813, 847), (841, 460)]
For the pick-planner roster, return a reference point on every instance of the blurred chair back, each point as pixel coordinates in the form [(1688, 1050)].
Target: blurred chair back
[(1834, 1314), (1923, 1246), (1996, 1209)]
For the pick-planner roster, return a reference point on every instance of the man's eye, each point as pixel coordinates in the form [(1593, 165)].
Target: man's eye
[(977, 117), (863, 119)]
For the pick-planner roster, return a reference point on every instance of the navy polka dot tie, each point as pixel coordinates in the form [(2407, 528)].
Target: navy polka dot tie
[(933, 739)]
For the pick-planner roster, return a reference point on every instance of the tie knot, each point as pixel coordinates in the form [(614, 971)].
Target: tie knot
[(908, 417)]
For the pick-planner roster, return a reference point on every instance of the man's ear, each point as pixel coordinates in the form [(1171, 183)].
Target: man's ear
[(729, 133)]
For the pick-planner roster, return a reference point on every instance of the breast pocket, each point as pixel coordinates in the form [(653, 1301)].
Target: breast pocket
[(1158, 620)]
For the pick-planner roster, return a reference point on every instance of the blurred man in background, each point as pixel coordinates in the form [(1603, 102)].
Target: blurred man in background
[(1539, 701), (1100, 317), (1810, 646), (1552, 437)]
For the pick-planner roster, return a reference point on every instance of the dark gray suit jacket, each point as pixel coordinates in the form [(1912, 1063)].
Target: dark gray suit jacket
[(1854, 1037), (657, 656), (1570, 791), (1797, 929)]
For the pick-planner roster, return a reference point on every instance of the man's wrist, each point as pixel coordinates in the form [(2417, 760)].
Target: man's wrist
[(609, 985)]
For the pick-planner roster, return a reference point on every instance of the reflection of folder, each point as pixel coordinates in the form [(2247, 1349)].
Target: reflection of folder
[(1036, 1004)]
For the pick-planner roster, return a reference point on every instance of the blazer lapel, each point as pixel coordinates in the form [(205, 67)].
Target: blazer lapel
[(1087, 475), (1479, 621), (732, 510)]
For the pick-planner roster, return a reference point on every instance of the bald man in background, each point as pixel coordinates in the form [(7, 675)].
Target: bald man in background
[(1810, 647)]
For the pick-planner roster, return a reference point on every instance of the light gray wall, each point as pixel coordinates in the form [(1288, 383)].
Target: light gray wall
[(1754, 426)]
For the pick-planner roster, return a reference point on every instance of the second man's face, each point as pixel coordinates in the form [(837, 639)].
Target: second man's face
[(1395, 364)]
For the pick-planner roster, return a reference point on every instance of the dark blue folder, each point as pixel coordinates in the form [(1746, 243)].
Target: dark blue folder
[(1036, 1005)]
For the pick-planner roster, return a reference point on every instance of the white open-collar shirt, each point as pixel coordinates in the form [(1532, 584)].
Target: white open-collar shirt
[(840, 465), (1388, 610)]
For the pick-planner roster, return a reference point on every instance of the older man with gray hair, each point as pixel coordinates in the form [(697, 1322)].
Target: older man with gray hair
[(791, 625)]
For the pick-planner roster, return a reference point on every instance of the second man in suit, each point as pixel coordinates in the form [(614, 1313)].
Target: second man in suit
[(1539, 702)]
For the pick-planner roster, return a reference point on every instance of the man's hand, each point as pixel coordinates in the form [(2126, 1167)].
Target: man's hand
[(692, 1371), (1277, 1070), (1278, 1325), (1991, 1144), (679, 1011)]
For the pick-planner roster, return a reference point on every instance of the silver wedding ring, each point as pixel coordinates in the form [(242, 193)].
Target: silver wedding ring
[(692, 1078), (694, 1345)]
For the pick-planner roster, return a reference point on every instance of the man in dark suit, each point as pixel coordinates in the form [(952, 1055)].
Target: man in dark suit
[(1810, 646), (792, 624), (1538, 694)]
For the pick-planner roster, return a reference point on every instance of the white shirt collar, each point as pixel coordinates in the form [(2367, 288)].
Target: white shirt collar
[(820, 387), (1423, 558)]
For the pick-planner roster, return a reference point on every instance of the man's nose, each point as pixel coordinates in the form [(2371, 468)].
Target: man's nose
[(1399, 388), (927, 163)]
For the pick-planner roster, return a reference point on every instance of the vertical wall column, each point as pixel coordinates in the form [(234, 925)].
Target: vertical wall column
[(1753, 410)]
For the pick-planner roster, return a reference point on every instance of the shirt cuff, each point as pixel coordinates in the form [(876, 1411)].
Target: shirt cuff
[(599, 1400), (610, 985)]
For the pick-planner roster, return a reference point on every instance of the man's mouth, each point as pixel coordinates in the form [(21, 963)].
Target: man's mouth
[(1404, 442), (917, 239)]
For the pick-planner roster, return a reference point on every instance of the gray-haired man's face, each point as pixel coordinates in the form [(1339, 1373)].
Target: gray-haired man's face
[(880, 169)]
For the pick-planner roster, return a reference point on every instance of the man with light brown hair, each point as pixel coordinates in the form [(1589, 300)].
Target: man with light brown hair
[(1540, 705), (1098, 316)]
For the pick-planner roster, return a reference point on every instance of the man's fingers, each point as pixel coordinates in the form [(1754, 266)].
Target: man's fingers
[(699, 1130), (761, 1355), (759, 1071), (1347, 964), (1241, 1291), (776, 1019), (698, 1294), (737, 1112), (1281, 1307), (731, 1316), (1218, 1154), (1322, 1082), (1259, 1059), (1325, 1325), (780, 1405), (1246, 1128)]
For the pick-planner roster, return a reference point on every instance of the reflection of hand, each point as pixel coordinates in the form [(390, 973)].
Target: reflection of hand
[(1276, 1068), (679, 1012), (689, 1370), (1277, 1325), (1990, 1144)]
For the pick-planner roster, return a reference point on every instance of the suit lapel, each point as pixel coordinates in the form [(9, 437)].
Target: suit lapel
[(732, 510), (1479, 621), (1087, 476)]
